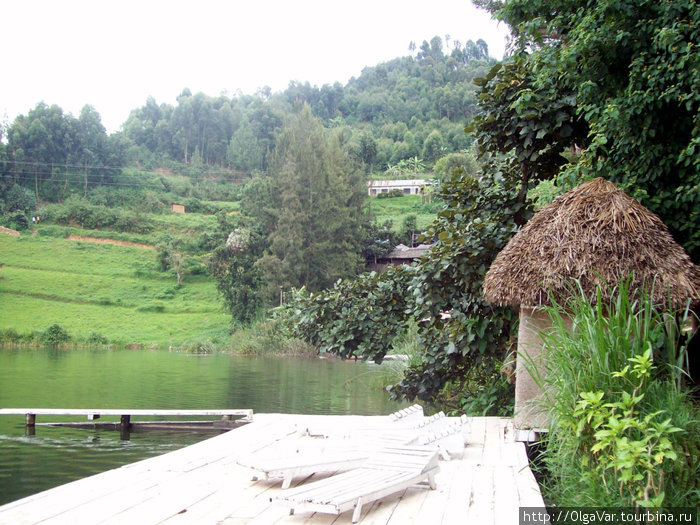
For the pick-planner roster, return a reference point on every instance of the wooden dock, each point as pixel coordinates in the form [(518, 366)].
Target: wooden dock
[(203, 484), (124, 414)]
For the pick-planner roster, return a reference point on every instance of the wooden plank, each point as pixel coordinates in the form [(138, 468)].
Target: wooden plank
[(197, 486), (433, 507), (459, 496), (204, 484), (506, 501), (138, 477), (481, 497), (410, 506), (123, 411), (379, 512), (529, 493), (231, 494), (493, 441)]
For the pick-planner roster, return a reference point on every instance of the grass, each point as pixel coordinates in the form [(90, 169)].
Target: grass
[(268, 337), (115, 291), (118, 292), (397, 209), (227, 206), (623, 429), (182, 221)]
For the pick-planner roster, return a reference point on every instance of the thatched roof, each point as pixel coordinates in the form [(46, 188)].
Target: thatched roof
[(597, 234)]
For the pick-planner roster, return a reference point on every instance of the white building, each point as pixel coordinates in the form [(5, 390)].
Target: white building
[(407, 187)]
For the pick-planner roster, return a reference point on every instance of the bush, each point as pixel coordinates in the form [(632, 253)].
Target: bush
[(15, 220), (390, 194), (269, 337), (9, 336), (97, 339), (480, 391), (56, 213), (55, 335), (155, 306), (20, 199), (357, 318)]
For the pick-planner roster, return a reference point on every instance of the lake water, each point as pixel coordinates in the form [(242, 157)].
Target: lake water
[(51, 378)]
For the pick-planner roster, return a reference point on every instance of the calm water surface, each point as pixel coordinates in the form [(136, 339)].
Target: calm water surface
[(51, 378)]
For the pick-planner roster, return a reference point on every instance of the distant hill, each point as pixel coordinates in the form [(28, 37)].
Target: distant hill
[(412, 106)]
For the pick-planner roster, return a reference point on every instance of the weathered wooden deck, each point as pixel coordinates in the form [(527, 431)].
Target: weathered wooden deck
[(203, 484)]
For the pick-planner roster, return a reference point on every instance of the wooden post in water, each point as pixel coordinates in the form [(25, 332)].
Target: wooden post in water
[(124, 427), (30, 420)]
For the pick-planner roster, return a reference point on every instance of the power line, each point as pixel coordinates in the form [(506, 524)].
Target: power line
[(55, 165), (59, 165), (77, 174), (79, 179)]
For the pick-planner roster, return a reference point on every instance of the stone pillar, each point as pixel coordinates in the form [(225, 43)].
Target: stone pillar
[(528, 415)]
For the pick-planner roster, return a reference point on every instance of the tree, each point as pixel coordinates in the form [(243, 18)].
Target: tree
[(238, 279), (433, 146), (91, 148), (447, 165), (19, 199), (243, 152), (533, 122), (632, 70), (176, 261), (317, 233), (367, 150), (40, 141), (521, 135), (475, 224), (612, 78)]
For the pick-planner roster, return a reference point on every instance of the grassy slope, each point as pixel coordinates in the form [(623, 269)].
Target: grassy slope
[(397, 209), (111, 290), (117, 292)]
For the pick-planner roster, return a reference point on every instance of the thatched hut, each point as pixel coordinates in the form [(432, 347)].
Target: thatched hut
[(596, 234)]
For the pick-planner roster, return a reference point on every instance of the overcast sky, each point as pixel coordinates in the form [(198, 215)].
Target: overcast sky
[(114, 54)]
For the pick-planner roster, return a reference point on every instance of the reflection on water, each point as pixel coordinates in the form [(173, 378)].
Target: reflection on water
[(158, 380)]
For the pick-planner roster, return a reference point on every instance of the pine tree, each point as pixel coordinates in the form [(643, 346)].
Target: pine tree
[(316, 238)]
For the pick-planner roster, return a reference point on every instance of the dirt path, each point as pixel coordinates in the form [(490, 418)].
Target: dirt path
[(110, 241), (8, 231)]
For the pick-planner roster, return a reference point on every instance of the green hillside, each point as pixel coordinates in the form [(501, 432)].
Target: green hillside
[(103, 292)]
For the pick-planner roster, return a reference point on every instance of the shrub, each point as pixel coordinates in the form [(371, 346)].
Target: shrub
[(356, 318), (481, 390), (390, 194), (269, 337), (9, 336), (15, 220), (55, 335), (57, 213), (97, 339), (20, 199)]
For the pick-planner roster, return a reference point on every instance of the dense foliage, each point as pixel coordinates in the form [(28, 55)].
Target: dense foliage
[(632, 72), (302, 225), (478, 219), (572, 83), (238, 280), (318, 208), (356, 318), (413, 106), (51, 152)]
